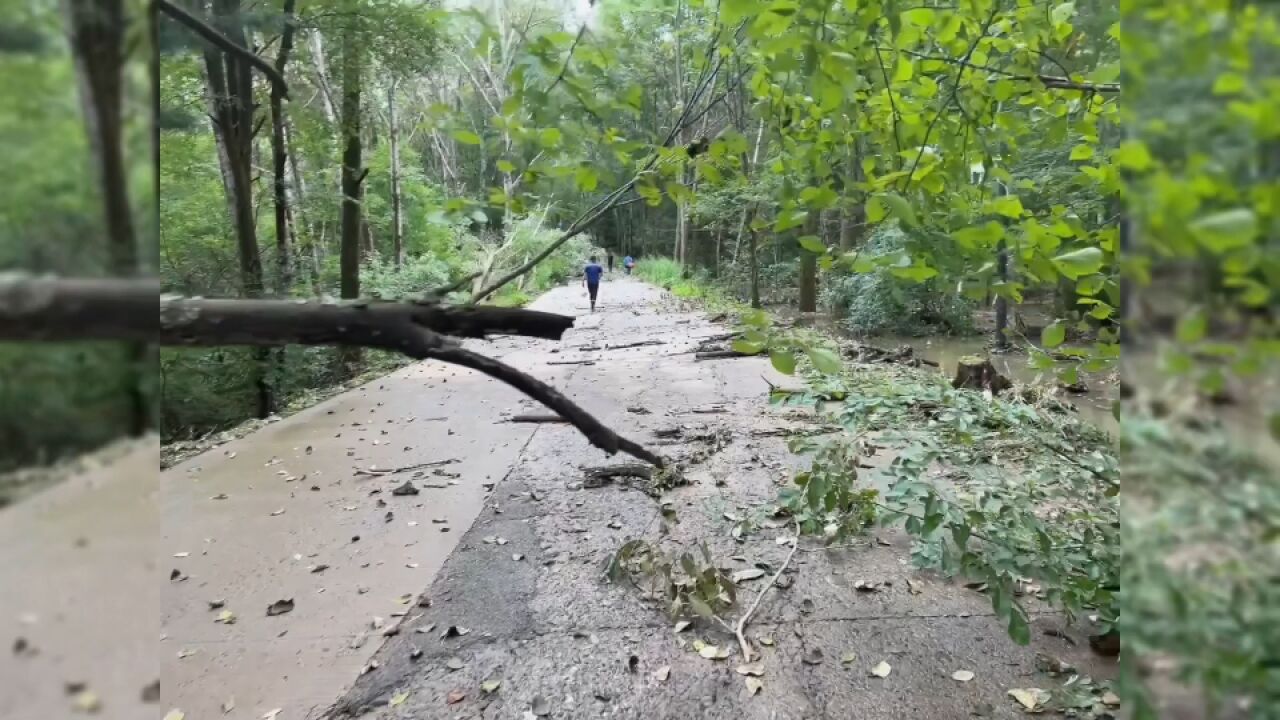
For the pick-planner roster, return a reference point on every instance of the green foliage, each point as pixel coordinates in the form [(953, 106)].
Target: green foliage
[(1054, 528), (1200, 527), (689, 586), (880, 302)]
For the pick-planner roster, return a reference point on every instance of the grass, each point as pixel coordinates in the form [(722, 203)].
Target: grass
[(669, 275)]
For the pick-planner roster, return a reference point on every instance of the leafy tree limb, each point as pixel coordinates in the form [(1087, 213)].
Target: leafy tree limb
[(218, 40)]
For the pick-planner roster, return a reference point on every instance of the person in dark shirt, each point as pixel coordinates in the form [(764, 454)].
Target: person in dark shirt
[(591, 278), (610, 259)]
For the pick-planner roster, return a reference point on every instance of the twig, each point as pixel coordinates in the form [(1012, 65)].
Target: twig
[(536, 419), (454, 287), (746, 617), (1051, 82), (568, 58), (406, 468), (220, 41)]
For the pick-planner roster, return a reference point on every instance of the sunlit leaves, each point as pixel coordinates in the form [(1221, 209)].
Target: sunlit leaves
[(812, 243), (899, 208), (1053, 334), (1009, 206), (1226, 230), (1077, 263), (783, 360), (1133, 155), (467, 137), (824, 361)]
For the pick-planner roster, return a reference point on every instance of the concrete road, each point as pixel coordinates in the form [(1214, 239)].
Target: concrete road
[(501, 542)]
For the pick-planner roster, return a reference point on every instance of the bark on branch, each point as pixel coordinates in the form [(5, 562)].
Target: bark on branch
[(52, 310), (194, 321), (220, 41)]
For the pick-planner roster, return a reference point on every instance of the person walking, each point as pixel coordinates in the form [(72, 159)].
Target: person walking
[(628, 262), (610, 259), (591, 279)]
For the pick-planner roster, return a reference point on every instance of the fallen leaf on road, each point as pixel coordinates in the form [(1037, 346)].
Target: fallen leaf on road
[(454, 631), (866, 586), (806, 606), (406, 489), (455, 663), (181, 554), (1110, 698), (682, 625), (489, 539), (765, 640), (848, 658), (711, 652), (439, 521), (271, 714), (86, 701), (411, 566), (275, 513), (962, 675), (753, 669), (913, 587), (217, 604), (813, 657), (175, 714), (184, 653), (377, 622), (541, 707), (754, 685), (749, 574), (319, 568), (502, 541), (226, 617), (398, 699), (662, 673), (280, 607), (517, 557), (882, 669), (220, 496), (490, 686), (1029, 698)]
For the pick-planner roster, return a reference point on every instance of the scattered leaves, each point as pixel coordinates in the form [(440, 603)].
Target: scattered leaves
[(455, 663), (1029, 698), (753, 669), (882, 669), (962, 675), (749, 574), (713, 652), (280, 607), (662, 673), (491, 686), (398, 699), (540, 706), (754, 685), (226, 617), (455, 696)]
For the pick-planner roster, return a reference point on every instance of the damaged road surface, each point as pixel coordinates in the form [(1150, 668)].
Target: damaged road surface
[(519, 622)]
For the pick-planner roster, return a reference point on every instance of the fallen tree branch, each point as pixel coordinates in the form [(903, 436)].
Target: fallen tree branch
[(571, 362), (441, 292), (220, 41), (596, 432), (195, 321), (50, 309), (740, 630)]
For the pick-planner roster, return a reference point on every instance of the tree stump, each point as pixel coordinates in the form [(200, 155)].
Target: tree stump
[(977, 373)]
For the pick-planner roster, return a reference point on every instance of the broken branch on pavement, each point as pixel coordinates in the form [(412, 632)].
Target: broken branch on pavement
[(58, 309)]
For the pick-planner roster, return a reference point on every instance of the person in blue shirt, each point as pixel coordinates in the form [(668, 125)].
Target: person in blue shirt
[(628, 262), (591, 278)]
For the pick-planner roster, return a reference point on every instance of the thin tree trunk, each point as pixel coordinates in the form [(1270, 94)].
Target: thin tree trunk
[(397, 217), (280, 162), (97, 32), (809, 269), (230, 86), (352, 175)]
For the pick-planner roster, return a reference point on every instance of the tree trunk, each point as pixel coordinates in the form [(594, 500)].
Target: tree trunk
[(97, 32), (280, 162), (397, 217), (752, 261), (809, 269), (230, 87), (1002, 304), (352, 175)]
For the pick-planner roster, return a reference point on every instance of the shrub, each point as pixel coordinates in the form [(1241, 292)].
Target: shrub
[(879, 303)]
